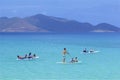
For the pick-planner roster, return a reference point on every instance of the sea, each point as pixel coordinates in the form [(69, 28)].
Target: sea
[(102, 64)]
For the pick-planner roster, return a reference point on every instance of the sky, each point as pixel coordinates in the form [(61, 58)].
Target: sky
[(91, 11)]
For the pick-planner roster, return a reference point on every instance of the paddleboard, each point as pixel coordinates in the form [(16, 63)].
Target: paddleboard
[(69, 62), (36, 57), (94, 52), (29, 59), (90, 52)]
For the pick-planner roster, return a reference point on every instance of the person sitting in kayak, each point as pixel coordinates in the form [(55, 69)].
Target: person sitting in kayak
[(76, 60), (19, 57), (85, 50), (91, 50), (30, 55), (72, 61), (34, 55)]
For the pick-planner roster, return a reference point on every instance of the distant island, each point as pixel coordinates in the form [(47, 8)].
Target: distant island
[(43, 23)]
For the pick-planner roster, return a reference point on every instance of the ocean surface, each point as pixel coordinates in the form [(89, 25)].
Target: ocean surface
[(104, 64)]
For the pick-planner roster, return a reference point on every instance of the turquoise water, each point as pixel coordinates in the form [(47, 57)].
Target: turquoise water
[(98, 66)]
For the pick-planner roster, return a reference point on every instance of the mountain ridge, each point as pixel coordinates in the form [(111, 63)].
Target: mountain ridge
[(43, 23)]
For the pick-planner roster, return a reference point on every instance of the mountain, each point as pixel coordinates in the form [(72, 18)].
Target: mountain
[(17, 25), (43, 23), (105, 27)]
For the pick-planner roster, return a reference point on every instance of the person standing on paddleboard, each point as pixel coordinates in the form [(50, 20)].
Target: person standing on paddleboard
[(64, 54)]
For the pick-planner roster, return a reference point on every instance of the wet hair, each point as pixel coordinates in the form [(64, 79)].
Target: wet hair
[(30, 53), (64, 48)]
